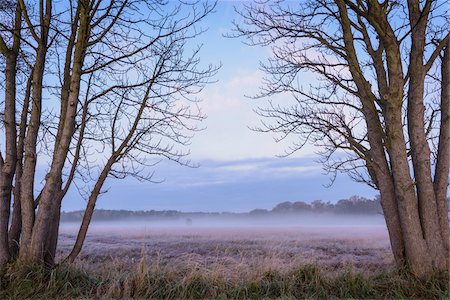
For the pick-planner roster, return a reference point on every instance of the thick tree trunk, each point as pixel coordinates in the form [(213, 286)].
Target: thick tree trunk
[(43, 224), (392, 218), (8, 164), (29, 169), (443, 156), (30, 143), (383, 180), (416, 249), (378, 161), (41, 242), (50, 254), (65, 89), (420, 150), (16, 226), (5, 198)]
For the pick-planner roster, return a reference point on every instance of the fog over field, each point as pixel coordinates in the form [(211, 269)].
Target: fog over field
[(192, 223), (333, 241)]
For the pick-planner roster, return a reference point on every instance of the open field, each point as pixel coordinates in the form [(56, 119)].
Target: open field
[(360, 247), (141, 260)]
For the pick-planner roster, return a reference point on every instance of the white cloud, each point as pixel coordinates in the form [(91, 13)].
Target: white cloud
[(299, 169), (230, 114), (241, 168)]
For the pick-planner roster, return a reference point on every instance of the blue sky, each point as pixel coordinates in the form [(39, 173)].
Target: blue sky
[(238, 168)]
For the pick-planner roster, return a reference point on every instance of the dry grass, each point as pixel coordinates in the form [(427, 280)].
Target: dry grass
[(225, 264), (186, 279), (363, 248)]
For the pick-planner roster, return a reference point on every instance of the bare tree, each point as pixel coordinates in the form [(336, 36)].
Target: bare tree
[(147, 118), (372, 108), (124, 75), (40, 36), (9, 49)]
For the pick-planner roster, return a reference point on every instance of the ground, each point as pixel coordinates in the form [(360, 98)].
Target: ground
[(224, 260), (363, 248)]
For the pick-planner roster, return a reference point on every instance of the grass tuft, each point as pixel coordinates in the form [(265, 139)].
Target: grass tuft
[(194, 281), (28, 280)]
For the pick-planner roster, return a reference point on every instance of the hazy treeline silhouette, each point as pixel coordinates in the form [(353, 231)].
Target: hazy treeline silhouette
[(353, 205)]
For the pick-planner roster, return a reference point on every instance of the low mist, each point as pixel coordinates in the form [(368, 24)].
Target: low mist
[(193, 222)]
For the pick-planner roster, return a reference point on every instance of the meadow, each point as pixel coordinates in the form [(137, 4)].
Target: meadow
[(225, 261)]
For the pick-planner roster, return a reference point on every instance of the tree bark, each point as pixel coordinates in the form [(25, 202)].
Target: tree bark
[(29, 168), (50, 254), (89, 211), (416, 249), (443, 155), (420, 150), (385, 184), (16, 223), (8, 163), (30, 143), (378, 161), (50, 202)]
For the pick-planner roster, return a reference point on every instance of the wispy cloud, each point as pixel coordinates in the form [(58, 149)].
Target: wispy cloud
[(273, 167), (300, 169)]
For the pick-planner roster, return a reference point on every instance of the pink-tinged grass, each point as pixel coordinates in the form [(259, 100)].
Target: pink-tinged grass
[(225, 263)]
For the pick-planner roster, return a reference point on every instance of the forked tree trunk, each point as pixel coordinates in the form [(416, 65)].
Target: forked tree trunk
[(420, 150), (385, 181), (381, 175), (41, 242), (30, 143), (29, 168), (443, 156), (416, 250)]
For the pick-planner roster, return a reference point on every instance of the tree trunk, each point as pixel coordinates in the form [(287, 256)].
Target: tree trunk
[(49, 201), (50, 254), (392, 218), (8, 165), (16, 223), (443, 156), (29, 169), (89, 211), (377, 155), (5, 194), (416, 249), (384, 182), (420, 151)]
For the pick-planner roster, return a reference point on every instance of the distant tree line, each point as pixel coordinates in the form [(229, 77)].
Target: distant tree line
[(108, 215), (352, 205)]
